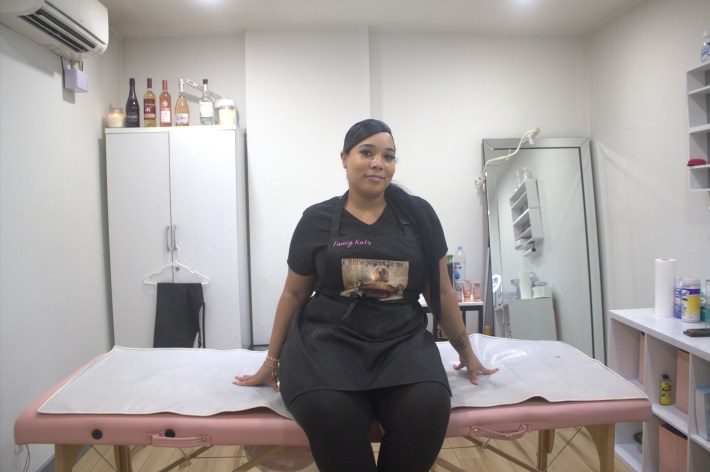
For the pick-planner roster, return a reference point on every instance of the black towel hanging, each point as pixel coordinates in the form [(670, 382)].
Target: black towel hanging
[(177, 316)]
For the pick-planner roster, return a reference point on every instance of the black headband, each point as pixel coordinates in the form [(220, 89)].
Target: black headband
[(363, 130)]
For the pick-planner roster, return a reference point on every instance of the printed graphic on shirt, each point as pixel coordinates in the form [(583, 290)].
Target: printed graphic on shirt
[(384, 280)]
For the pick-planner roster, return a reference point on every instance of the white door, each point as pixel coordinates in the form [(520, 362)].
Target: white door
[(138, 190), (203, 178)]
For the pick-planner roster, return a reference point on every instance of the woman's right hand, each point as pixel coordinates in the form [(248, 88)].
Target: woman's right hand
[(266, 375)]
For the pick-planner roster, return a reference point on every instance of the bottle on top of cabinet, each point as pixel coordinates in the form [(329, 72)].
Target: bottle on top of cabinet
[(166, 111), (133, 111), (182, 111), (149, 105), (206, 106)]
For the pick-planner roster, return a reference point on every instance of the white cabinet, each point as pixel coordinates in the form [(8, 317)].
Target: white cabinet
[(178, 194), (527, 221), (699, 126), (641, 349), (532, 318)]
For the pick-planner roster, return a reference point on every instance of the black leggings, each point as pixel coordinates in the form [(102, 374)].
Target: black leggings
[(337, 423)]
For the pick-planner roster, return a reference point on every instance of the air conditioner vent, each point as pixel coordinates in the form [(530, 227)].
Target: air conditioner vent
[(60, 31), (73, 29)]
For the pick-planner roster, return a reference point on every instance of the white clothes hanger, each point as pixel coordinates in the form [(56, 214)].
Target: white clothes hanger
[(148, 280)]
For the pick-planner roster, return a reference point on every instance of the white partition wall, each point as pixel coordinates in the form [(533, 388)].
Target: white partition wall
[(304, 90)]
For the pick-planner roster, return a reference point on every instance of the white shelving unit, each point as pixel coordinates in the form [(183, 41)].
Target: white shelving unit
[(525, 211), (699, 178), (699, 126), (641, 349)]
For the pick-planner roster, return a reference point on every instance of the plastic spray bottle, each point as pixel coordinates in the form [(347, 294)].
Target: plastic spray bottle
[(459, 272), (666, 391)]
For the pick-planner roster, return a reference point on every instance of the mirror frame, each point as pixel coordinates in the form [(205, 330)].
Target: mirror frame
[(498, 147)]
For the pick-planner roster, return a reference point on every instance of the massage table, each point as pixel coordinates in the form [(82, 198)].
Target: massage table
[(76, 412)]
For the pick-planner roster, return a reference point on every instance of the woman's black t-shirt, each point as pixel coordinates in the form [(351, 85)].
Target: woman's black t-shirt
[(312, 234)]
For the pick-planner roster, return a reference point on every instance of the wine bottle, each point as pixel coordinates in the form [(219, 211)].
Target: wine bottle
[(133, 111), (166, 111), (206, 106), (149, 106), (182, 111)]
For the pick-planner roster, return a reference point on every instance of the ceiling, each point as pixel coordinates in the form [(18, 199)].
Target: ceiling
[(144, 18)]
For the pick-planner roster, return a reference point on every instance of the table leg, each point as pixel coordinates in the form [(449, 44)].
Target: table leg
[(65, 456), (545, 443), (503, 454), (446, 465), (273, 450), (122, 455), (480, 319), (603, 437)]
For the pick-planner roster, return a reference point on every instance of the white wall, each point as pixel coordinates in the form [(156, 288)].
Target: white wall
[(304, 90), (54, 302), (639, 128)]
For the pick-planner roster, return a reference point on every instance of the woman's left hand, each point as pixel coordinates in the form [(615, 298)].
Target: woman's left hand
[(473, 366)]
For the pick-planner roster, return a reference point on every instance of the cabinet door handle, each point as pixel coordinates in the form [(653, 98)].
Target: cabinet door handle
[(175, 246), (168, 239)]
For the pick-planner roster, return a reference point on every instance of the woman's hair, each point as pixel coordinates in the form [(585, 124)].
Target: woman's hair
[(363, 130), (412, 208)]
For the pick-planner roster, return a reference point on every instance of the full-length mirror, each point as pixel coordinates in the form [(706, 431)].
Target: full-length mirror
[(543, 242)]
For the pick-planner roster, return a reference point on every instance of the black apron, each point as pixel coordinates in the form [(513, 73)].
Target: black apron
[(362, 329)]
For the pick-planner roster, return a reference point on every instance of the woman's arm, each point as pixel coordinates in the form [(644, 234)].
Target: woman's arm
[(453, 325), (296, 290)]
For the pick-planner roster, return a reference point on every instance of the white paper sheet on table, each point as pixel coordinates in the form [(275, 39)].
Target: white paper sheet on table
[(198, 382)]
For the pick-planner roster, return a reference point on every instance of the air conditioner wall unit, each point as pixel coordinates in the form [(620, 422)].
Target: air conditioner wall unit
[(73, 29)]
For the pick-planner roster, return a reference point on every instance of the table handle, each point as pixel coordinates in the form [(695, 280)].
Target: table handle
[(491, 433), (159, 440)]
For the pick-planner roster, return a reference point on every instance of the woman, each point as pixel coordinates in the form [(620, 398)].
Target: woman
[(359, 347)]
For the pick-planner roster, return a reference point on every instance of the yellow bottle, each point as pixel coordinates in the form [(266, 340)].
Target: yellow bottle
[(666, 391)]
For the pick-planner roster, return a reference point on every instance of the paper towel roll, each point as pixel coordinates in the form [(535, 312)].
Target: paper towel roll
[(525, 284), (665, 288)]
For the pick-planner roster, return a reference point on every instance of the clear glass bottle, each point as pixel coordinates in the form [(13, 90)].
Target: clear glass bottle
[(166, 111), (206, 106), (182, 111), (133, 110), (149, 106)]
